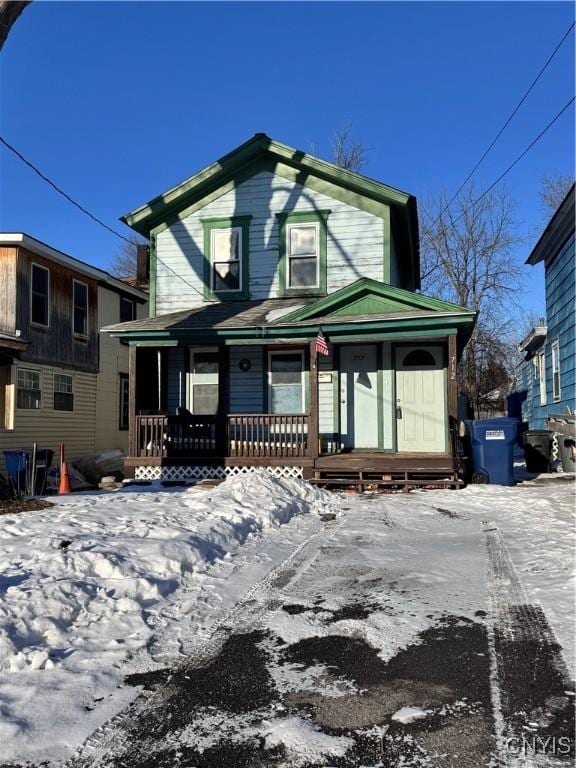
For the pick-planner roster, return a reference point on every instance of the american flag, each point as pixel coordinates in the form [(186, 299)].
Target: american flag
[(321, 345)]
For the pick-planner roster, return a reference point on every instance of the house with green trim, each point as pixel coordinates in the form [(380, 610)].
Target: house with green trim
[(286, 329)]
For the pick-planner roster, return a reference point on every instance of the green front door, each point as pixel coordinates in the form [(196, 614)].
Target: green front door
[(359, 410)]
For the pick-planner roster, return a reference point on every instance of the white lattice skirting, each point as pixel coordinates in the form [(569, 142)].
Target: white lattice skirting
[(208, 473)]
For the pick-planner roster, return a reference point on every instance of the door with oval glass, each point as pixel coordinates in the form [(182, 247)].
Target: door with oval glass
[(359, 396), (420, 400)]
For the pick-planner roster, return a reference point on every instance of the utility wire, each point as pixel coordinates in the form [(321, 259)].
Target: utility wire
[(85, 211), (508, 121), (60, 191), (509, 168)]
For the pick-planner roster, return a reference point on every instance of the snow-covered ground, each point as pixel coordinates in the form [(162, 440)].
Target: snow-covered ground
[(103, 585)]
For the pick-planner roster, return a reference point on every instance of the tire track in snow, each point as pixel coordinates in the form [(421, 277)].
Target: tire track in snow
[(243, 617), (532, 694)]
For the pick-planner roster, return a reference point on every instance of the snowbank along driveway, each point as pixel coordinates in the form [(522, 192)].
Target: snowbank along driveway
[(415, 629)]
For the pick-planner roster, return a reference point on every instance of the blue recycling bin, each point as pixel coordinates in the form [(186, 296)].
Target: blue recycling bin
[(492, 444), (17, 467)]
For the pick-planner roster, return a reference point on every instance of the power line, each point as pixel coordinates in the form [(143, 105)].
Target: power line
[(85, 211), (508, 121), (60, 191), (509, 168)]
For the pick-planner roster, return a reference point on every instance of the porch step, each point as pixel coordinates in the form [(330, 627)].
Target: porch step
[(368, 478)]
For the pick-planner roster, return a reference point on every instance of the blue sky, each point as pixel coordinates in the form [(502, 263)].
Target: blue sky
[(116, 102)]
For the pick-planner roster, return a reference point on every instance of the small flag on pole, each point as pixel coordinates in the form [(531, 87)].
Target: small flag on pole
[(321, 345)]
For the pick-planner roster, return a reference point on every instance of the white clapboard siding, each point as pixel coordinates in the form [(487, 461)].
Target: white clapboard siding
[(354, 241), (326, 396)]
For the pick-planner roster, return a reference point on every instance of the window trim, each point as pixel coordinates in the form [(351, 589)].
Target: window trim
[(285, 221), (123, 377), (33, 322), (41, 389), (542, 376), (280, 353), (233, 222), (70, 376), (74, 331), (555, 348)]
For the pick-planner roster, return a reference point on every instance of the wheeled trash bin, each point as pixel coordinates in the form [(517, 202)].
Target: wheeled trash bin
[(537, 446), (492, 450)]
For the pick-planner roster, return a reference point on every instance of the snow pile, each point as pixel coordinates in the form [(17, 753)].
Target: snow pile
[(84, 583), (303, 742)]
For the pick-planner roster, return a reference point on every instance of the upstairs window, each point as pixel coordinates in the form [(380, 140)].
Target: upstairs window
[(303, 256), (556, 392), (127, 309), (80, 315), (39, 295), (28, 389), (226, 251), (303, 248), (63, 392)]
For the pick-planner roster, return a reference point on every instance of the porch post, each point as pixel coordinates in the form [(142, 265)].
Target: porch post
[(223, 400), (452, 379), (313, 431), (132, 431)]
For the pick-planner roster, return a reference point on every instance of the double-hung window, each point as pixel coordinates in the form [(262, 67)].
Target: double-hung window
[(80, 313), (63, 392), (28, 389), (303, 238), (556, 392), (286, 382), (40, 295), (226, 251), (542, 375), (204, 376)]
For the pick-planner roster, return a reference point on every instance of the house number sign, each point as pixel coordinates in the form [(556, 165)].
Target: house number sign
[(245, 364)]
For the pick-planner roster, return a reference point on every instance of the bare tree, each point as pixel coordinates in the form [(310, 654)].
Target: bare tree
[(124, 263), (553, 191), (9, 12), (467, 258), (346, 153)]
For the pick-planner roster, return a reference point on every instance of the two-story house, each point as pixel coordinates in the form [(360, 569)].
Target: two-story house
[(547, 372), (60, 380), (257, 261)]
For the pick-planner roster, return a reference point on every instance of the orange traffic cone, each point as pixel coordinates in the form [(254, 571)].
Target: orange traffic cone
[(64, 486)]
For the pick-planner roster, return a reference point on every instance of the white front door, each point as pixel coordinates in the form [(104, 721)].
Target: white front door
[(359, 396), (420, 400)]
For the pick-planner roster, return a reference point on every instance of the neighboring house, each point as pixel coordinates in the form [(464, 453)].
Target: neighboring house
[(547, 372), (250, 259), (60, 380)]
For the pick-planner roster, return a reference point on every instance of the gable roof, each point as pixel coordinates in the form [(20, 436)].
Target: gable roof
[(261, 152), (369, 297)]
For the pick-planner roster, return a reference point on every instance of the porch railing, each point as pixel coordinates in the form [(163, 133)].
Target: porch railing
[(262, 435), (176, 436), (268, 435)]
